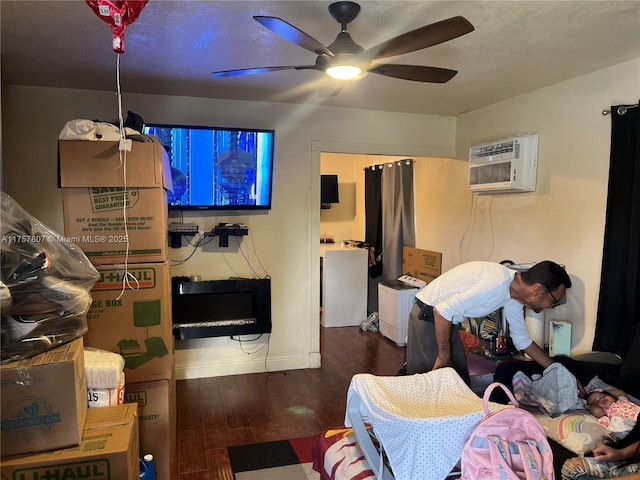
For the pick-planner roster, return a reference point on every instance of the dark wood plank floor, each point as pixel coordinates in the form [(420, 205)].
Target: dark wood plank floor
[(217, 412)]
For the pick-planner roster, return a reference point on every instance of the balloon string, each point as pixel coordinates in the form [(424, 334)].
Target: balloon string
[(127, 277), (122, 135)]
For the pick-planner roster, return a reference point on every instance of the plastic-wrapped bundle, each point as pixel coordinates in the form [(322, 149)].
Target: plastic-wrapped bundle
[(105, 377), (45, 282)]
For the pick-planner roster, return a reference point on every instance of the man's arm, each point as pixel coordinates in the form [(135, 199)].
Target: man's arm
[(610, 454), (538, 355), (544, 360), (443, 340)]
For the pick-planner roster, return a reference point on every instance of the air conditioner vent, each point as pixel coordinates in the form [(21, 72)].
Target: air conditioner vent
[(507, 165), (496, 149)]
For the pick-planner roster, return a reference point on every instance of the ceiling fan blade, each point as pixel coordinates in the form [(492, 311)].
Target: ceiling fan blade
[(422, 37), (293, 34), (252, 71), (417, 73)]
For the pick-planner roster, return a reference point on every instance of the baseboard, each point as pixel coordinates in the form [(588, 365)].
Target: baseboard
[(205, 370)]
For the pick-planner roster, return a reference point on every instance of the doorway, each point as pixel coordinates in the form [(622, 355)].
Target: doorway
[(356, 157)]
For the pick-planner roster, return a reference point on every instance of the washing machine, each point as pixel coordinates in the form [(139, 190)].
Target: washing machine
[(395, 300)]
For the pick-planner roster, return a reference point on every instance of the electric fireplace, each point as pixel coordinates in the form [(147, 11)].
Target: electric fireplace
[(220, 308)]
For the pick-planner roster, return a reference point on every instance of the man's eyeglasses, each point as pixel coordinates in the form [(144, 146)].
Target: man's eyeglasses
[(556, 302)]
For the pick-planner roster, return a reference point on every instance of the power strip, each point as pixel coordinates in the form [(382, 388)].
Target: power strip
[(178, 227)]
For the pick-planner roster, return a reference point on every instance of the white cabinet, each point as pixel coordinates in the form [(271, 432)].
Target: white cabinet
[(345, 273)]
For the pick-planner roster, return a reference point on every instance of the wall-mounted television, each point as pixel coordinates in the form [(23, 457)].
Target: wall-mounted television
[(218, 168), (328, 190)]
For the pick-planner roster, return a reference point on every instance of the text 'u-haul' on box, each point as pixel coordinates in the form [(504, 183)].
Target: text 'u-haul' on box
[(157, 421), (135, 321)]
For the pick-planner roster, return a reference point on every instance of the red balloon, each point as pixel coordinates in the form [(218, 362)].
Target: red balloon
[(118, 14)]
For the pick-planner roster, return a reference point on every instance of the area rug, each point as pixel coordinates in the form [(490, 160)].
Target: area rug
[(280, 460)]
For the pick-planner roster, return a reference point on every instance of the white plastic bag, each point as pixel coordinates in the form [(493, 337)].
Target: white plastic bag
[(81, 129)]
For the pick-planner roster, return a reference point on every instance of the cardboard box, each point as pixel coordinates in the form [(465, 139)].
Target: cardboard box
[(95, 193), (138, 325), (157, 421), (85, 163), (423, 264), (109, 450), (43, 400), (94, 221)]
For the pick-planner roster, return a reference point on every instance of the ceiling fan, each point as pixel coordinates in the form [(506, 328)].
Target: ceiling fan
[(344, 59)]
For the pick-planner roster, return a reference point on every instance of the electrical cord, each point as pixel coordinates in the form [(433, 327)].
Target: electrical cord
[(240, 341), (472, 215), (239, 244), (257, 257), (204, 240), (127, 277)]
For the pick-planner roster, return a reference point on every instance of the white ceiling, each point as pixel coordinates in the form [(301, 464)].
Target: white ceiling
[(517, 46)]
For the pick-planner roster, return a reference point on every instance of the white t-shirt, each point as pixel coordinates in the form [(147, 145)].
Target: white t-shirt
[(476, 289)]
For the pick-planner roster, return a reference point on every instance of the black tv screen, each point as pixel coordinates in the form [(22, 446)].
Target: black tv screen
[(218, 168), (329, 189)]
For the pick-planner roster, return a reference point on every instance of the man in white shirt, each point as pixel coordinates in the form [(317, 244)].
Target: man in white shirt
[(476, 289)]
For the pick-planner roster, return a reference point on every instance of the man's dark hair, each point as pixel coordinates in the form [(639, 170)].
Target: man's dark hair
[(549, 274)]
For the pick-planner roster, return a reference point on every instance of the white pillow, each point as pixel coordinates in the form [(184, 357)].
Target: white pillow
[(578, 430), (597, 383)]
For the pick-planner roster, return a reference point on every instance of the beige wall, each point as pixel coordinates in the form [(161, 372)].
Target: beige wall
[(440, 193), (564, 219), (346, 220), (285, 238), (339, 222)]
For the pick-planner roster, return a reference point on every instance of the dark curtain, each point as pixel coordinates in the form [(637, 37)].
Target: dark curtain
[(373, 215), (619, 299), (629, 376)]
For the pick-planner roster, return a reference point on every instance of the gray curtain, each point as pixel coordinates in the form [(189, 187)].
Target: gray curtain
[(398, 217)]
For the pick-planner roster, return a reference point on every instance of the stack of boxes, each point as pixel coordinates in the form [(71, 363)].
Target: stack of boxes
[(47, 430), (131, 309)]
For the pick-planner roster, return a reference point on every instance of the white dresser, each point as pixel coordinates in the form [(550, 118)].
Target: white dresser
[(345, 273)]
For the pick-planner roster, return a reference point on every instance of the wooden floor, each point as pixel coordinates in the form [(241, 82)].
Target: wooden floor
[(214, 413)]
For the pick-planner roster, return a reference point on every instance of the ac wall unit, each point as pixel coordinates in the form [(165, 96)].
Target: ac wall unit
[(508, 165)]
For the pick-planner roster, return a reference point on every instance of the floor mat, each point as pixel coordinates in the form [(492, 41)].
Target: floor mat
[(279, 460)]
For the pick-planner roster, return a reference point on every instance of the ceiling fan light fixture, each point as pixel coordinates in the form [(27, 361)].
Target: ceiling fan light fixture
[(344, 72), (345, 60)]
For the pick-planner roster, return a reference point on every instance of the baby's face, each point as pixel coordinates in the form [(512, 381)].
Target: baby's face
[(601, 399)]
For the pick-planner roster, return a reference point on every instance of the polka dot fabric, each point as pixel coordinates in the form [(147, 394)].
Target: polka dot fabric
[(422, 420)]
